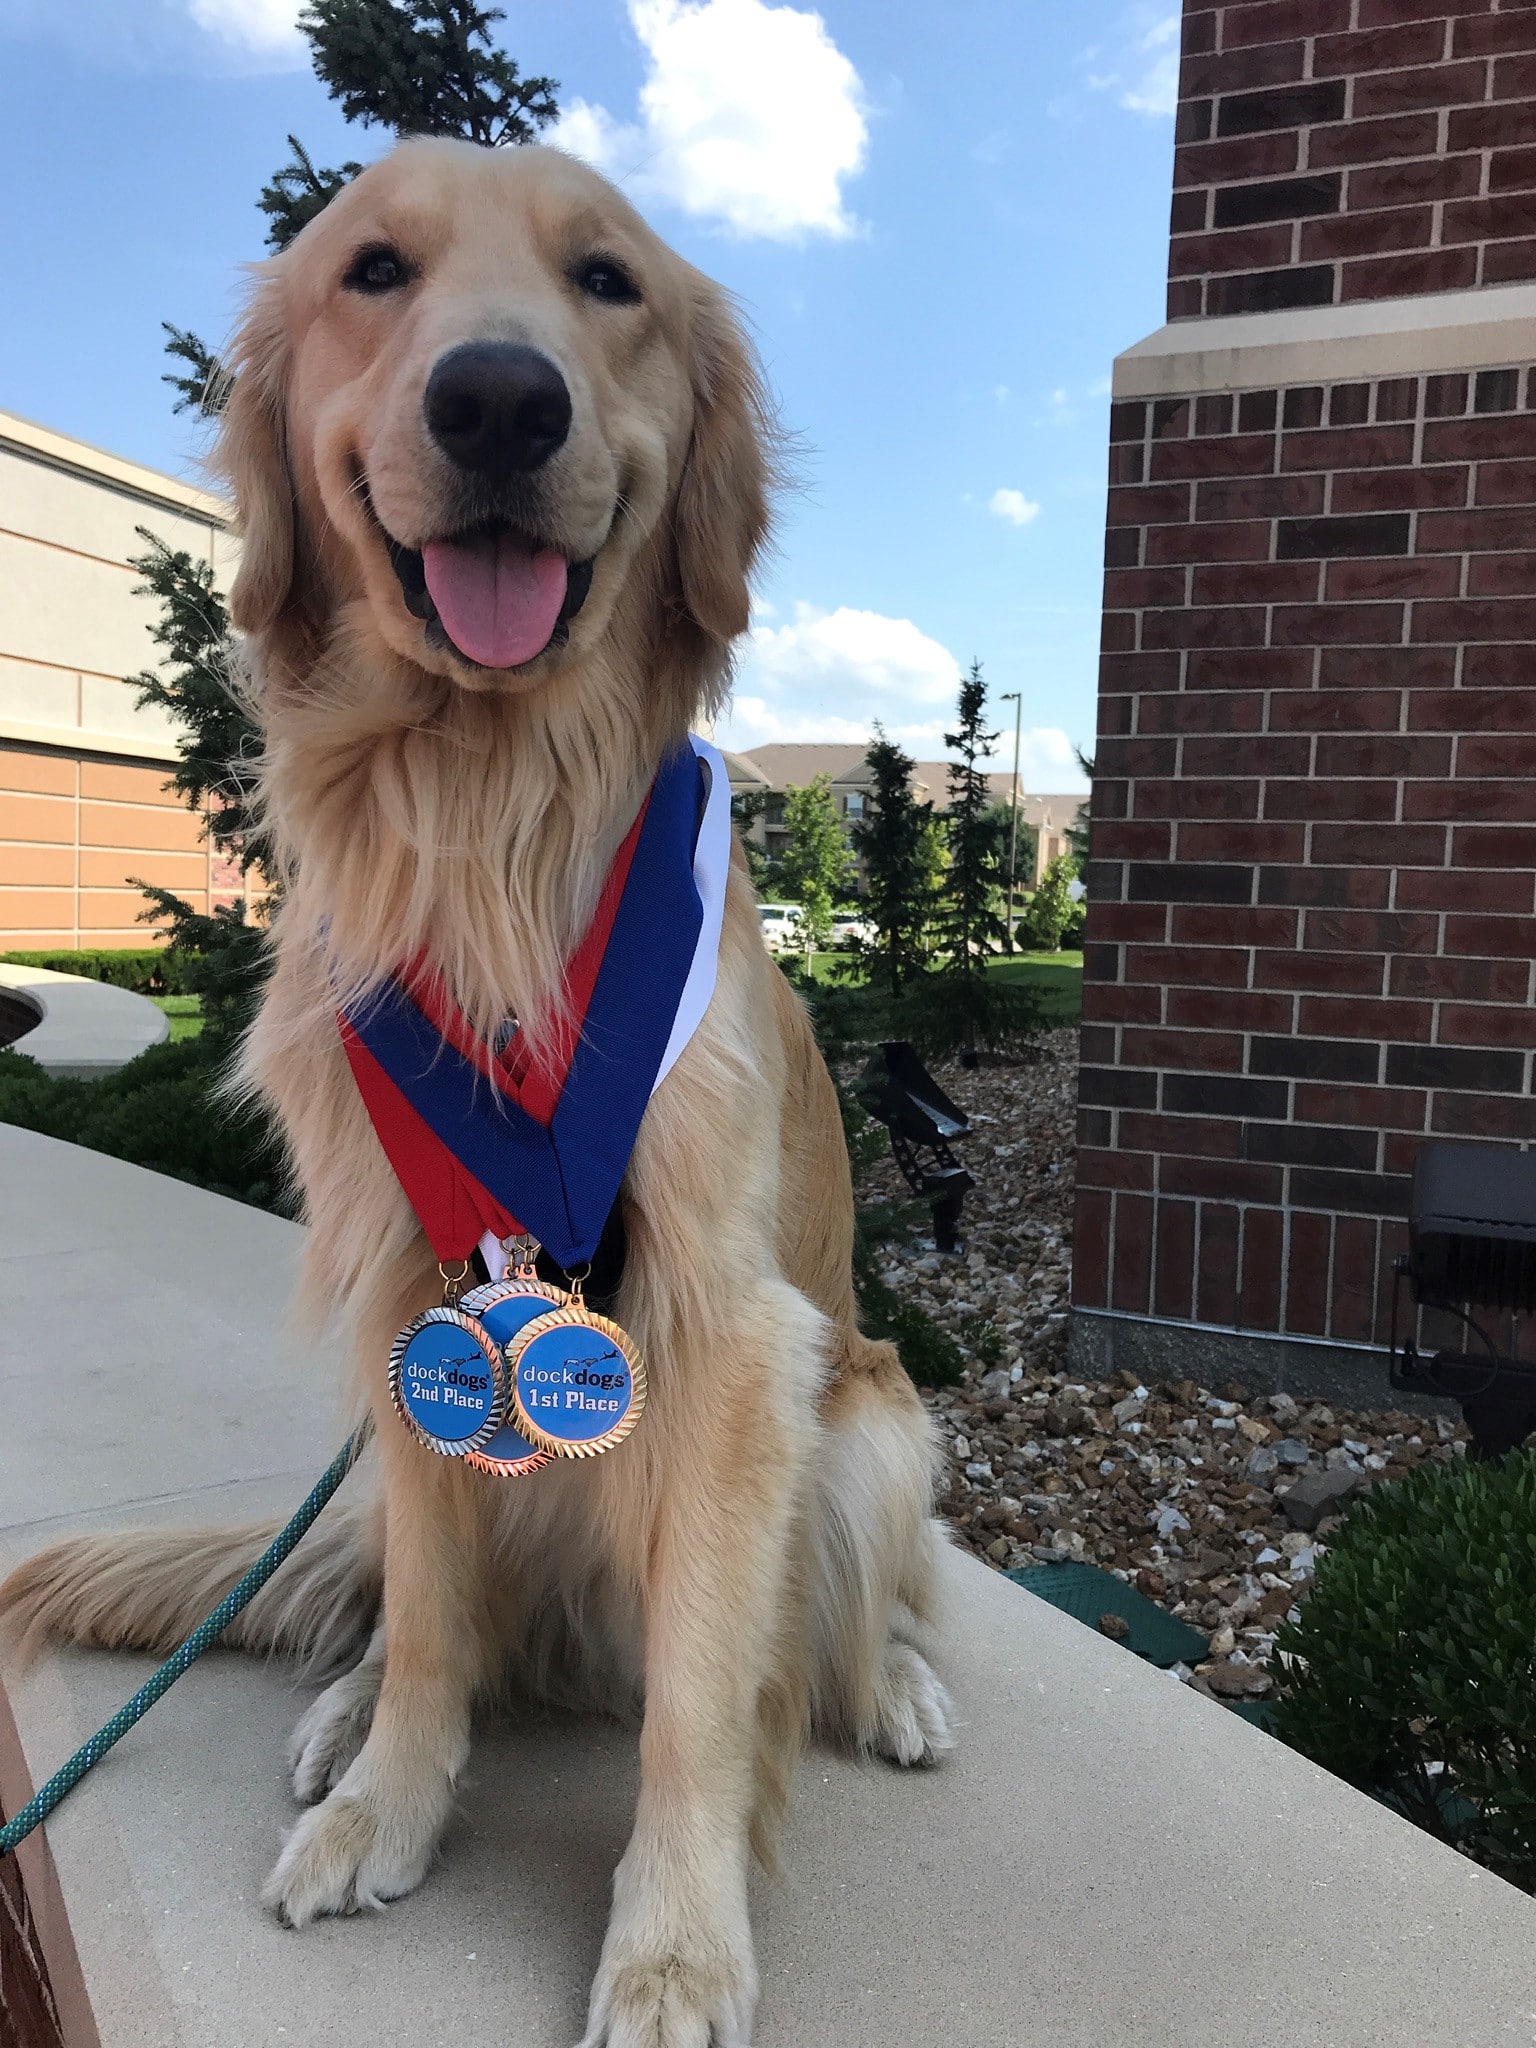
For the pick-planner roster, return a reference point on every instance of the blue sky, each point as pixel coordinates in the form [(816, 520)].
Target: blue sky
[(942, 220)]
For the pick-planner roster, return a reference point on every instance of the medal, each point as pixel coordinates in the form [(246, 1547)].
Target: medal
[(502, 1308), (577, 1380), (448, 1378)]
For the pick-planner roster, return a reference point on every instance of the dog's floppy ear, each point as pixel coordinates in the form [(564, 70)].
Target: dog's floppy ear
[(252, 457), (722, 499)]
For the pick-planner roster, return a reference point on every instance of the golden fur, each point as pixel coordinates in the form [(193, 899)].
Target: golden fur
[(759, 1556)]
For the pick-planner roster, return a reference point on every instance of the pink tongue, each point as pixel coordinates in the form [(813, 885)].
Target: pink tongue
[(497, 599)]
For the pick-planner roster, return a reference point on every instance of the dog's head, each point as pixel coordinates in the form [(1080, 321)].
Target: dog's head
[(474, 403)]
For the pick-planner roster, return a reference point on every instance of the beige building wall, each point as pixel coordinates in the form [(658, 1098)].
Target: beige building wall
[(83, 802)]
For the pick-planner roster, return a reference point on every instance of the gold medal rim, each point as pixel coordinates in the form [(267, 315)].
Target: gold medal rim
[(490, 1350), (564, 1319)]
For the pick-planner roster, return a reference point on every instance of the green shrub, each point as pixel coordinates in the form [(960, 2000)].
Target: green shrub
[(933, 1013), (1417, 1650), (148, 971), (159, 1111)]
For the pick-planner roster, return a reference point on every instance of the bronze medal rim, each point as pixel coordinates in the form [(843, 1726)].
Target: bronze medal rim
[(500, 1381), (564, 1319), (509, 1468)]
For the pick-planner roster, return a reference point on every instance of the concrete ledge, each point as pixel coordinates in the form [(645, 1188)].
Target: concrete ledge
[(85, 1028), (1108, 1859), (1320, 344), (1101, 1342)]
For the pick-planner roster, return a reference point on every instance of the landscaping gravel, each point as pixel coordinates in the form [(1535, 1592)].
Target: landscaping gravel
[(1214, 1502)]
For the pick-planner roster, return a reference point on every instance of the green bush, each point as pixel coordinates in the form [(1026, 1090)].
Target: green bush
[(159, 1111), (148, 971), (934, 1013), (1415, 1671)]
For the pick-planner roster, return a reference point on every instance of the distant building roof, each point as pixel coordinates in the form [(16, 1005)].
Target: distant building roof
[(743, 772), (792, 763)]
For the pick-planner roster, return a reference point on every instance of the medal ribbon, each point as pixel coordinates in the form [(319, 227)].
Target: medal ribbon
[(502, 1142)]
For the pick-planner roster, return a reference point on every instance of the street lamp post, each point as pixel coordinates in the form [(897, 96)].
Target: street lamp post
[(1016, 698)]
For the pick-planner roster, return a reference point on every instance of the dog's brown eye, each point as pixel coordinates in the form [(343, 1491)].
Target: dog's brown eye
[(602, 278), (376, 270)]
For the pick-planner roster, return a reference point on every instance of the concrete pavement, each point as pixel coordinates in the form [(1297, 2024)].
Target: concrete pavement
[(1108, 1861)]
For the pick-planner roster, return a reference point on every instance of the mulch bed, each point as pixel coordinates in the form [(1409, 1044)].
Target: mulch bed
[(1179, 1489)]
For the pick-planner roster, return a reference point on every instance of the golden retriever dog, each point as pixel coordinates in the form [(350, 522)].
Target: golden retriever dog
[(758, 1559)]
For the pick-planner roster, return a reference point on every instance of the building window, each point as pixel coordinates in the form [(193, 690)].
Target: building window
[(853, 804)]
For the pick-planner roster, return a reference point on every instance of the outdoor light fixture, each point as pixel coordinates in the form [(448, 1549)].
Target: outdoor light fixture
[(1472, 1254), (899, 1092)]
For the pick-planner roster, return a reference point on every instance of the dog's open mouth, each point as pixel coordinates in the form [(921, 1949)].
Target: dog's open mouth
[(493, 595)]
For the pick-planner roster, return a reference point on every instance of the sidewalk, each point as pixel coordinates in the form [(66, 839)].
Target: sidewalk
[(1108, 1861)]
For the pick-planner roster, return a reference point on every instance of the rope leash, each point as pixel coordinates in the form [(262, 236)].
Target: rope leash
[(203, 1637)]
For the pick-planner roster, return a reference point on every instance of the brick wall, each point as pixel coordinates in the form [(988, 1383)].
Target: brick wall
[(1333, 150), (1313, 893), (28, 2015)]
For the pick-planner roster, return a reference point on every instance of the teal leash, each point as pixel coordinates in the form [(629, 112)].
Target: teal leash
[(63, 1782)]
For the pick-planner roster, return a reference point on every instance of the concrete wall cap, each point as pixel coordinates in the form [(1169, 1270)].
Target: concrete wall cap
[(85, 1028)]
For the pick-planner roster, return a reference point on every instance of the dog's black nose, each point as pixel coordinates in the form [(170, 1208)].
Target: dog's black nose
[(497, 407)]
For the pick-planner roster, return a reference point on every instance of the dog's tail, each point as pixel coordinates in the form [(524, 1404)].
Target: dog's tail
[(147, 1589)]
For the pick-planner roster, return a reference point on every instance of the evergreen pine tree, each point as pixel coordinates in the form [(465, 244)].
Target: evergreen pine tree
[(419, 67), (969, 916), (892, 841), (298, 192), (1077, 831)]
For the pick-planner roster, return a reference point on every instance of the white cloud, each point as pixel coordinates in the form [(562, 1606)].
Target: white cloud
[(749, 115), (827, 676), (265, 26), (1013, 506), (1145, 76), (853, 655), (1155, 89)]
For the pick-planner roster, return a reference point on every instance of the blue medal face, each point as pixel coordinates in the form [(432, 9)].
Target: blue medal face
[(577, 1382), (502, 1308), (448, 1381)]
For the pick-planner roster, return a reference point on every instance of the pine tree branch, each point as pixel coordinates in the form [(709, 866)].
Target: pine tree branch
[(205, 387), (425, 67), (298, 192), (219, 747)]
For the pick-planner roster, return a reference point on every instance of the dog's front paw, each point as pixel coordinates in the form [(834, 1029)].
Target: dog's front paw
[(346, 1854), (331, 1733), (914, 1712), (677, 1968), (672, 2000)]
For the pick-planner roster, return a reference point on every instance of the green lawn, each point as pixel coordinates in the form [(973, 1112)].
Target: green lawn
[(185, 1013), (1056, 977)]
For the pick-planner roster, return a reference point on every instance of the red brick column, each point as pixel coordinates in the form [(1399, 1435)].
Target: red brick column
[(1312, 911), (1337, 150)]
